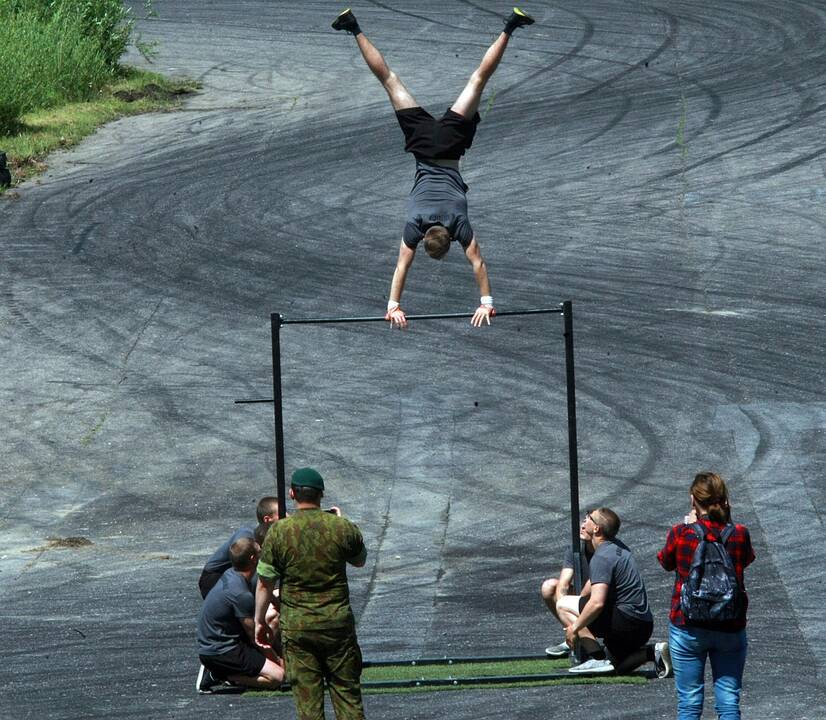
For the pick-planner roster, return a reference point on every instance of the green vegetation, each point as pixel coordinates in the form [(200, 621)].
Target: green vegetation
[(60, 76), (503, 669), (41, 131)]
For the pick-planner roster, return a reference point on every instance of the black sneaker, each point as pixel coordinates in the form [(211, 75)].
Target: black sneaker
[(205, 681), (519, 18), (346, 21)]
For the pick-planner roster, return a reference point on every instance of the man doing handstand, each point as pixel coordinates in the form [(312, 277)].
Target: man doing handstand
[(437, 205)]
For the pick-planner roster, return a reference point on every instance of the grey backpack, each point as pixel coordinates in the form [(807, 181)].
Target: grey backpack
[(711, 592)]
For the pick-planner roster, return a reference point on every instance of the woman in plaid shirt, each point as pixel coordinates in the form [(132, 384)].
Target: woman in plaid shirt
[(724, 643)]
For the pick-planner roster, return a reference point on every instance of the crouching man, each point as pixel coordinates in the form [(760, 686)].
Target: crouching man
[(616, 609), (226, 629)]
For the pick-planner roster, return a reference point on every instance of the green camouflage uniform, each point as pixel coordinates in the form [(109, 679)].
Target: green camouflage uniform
[(308, 552)]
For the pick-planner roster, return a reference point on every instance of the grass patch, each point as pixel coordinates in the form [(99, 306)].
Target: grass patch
[(531, 666), (458, 671), (42, 131)]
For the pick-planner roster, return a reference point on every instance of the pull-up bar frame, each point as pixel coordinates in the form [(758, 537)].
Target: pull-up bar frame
[(565, 309)]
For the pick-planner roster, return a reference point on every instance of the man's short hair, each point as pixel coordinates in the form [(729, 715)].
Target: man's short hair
[(305, 494), (243, 553), (266, 506), (607, 520), (437, 241)]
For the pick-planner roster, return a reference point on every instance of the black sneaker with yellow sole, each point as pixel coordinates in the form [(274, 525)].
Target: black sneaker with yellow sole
[(346, 21), (517, 19)]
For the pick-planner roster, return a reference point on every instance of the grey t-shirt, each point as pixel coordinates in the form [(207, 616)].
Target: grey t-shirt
[(219, 624), (219, 561), (614, 565), (437, 198), (568, 562)]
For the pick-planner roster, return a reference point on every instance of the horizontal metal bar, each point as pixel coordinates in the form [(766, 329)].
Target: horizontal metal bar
[(485, 680), (452, 661), (250, 402), (437, 316)]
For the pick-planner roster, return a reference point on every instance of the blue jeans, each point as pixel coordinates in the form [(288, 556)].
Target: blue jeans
[(689, 648)]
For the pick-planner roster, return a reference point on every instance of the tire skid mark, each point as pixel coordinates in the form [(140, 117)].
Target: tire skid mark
[(751, 142), (584, 40), (769, 459), (396, 11), (588, 33)]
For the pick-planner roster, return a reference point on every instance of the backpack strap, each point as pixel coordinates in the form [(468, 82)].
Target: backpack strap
[(699, 531), (728, 530)]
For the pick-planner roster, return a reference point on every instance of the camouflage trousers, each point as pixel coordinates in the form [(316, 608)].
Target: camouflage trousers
[(313, 656)]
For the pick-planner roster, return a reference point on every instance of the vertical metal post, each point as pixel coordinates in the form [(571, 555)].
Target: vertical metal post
[(278, 411), (573, 466)]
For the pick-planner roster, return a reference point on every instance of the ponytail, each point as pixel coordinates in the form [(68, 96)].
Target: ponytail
[(710, 491)]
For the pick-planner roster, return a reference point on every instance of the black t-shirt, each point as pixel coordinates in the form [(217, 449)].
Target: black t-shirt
[(437, 198)]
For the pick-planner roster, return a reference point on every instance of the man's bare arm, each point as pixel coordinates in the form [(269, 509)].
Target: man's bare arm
[(485, 311), (395, 314), (591, 611), (263, 597), (565, 577), (249, 628)]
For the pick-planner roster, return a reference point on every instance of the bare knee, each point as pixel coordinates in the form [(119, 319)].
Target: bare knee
[(272, 673), (478, 80), (391, 83), (548, 589)]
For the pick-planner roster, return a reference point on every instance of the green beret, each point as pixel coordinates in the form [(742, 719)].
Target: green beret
[(307, 477)]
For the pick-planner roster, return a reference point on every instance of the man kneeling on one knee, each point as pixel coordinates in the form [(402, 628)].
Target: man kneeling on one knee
[(616, 609), (226, 628)]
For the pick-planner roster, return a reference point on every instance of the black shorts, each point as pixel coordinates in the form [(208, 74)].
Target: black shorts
[(429, 138), (621, 634), (243, 659)]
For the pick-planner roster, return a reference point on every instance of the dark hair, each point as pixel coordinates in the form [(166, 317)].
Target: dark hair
[(710, 491), (261, 531), (437, 241), (306, 494), (266, 506), (243, 553), (609, 522)]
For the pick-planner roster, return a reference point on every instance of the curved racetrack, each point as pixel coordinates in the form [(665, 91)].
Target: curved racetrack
[(662, 165)]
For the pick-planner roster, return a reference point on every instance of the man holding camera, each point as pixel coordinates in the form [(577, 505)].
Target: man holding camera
[(308, 553)]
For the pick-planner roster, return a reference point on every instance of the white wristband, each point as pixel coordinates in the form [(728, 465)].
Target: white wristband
[(392, 305), (486, 300)]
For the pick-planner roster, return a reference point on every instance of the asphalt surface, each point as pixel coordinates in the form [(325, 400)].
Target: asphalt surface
[(662, 166)]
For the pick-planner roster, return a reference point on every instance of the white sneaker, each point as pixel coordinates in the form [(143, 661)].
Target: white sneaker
[(593, 667), (558, 651), (662, 660), (205, 682)]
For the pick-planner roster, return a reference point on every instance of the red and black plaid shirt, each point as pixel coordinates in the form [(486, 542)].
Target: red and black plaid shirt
[(679, 551)]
